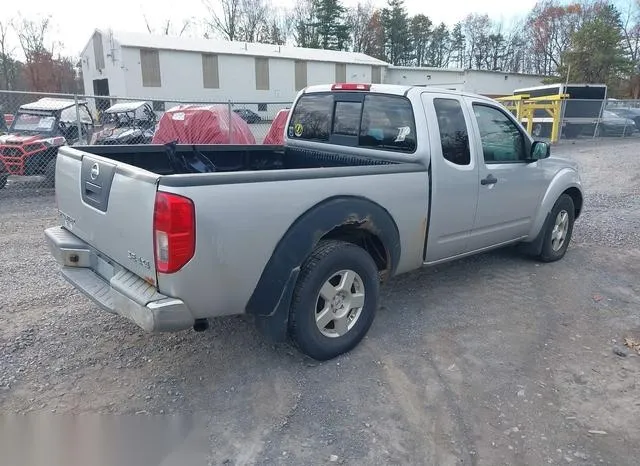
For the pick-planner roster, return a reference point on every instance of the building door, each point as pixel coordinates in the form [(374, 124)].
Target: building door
[(101, 87)]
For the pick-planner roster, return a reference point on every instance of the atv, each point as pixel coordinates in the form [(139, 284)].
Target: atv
[(36, 132), (127, 123)]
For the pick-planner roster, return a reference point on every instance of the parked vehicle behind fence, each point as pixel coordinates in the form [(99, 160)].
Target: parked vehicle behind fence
[(626, 112), (613, 125), (248, 115), (373, 181), (36, 133), (275, 135), (202, 124), (127, 123)]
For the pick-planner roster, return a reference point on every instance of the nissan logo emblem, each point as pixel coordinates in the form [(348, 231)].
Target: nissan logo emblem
[(95, 171)]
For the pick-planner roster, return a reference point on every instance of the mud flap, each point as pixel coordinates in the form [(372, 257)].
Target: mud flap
[(534, 248), (274, 325)]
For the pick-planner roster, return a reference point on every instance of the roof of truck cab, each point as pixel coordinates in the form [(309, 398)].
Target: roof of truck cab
[(399, 89), (50, 104), (125, 107)]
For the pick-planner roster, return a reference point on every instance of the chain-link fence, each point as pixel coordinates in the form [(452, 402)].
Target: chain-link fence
[(578, 118), (35, 125)]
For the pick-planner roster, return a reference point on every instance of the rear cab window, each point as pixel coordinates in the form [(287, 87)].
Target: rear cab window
[(356, 119)]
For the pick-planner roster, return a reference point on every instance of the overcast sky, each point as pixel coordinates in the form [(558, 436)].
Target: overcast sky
[(75, 20)]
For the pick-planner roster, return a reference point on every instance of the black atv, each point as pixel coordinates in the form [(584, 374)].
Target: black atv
[(127, 123)]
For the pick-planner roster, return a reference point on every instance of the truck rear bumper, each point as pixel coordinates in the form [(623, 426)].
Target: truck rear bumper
[(114, 288)]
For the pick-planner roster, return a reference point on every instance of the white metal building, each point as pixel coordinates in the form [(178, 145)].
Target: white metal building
[(172, 69), (489, 83), (183, 69)]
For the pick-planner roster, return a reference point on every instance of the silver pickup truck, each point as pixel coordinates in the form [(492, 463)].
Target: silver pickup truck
[(372, 181)]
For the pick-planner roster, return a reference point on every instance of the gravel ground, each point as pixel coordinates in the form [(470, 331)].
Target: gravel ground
[(495, 359)]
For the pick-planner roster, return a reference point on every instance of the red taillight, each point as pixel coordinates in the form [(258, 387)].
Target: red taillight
[(351, 87), (174, 231)]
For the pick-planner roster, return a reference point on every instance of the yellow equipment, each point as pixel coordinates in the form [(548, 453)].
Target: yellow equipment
[(524, 107)]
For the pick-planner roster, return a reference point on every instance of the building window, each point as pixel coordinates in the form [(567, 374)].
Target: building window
[(301, 75), (262, 74), (341, 72), (150, 65), (262, 107), (210, 74), (376, 75), (98, 51)]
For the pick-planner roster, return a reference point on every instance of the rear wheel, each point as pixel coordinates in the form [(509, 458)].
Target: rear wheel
[(335, 300)]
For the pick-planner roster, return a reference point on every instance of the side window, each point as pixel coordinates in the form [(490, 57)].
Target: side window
[(502, 141), (387, 123), (454, 137), (311, 118)]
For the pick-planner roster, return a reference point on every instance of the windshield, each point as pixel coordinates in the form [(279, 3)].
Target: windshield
[(119, 119), (124, 119), (36, 123)]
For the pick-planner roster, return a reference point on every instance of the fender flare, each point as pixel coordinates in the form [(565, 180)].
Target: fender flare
[(271, 298), (564, 180)]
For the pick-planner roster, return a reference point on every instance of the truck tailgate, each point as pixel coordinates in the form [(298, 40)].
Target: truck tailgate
[(110, 206)]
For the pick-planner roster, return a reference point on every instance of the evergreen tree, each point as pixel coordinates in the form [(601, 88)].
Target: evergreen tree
[(332, 28), (458, 45), (420, 35), (397, 38)]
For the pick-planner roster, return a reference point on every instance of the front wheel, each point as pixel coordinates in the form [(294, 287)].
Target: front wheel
[(558, 230), (335, 300)]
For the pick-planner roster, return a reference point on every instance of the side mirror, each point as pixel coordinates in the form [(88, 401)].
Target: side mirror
[(540, 150)]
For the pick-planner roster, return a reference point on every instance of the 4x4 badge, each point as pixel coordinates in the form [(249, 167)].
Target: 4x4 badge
[(95, 171)]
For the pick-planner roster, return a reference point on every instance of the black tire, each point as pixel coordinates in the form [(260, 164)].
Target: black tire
[(329, 258), (548, 253), (50, 174), (3, 181), (571, 132)]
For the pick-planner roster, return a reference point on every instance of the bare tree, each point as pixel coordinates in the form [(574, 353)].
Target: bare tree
[(358, 20), (226, 23), (32, 36), (167, 27), (7, 61), (631, 30), (253, 21), (476, 29)]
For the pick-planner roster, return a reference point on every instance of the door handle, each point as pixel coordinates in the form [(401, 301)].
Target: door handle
[(490, 179)]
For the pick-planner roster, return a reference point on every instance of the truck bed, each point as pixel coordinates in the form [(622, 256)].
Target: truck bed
[(161, 159)]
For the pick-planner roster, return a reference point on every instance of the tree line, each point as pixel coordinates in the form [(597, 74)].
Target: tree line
[(590, 41), (44, 67)]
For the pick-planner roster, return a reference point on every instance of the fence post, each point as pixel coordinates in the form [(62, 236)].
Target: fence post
[(78, 123), (595, 131), (230, 123)]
